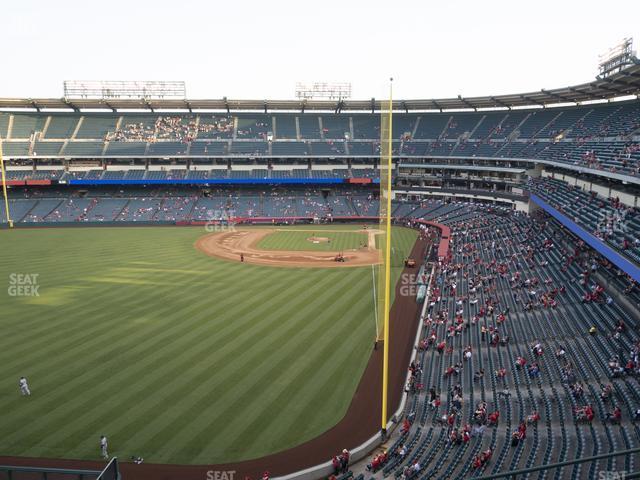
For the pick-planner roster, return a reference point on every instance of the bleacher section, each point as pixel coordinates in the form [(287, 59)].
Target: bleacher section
[(606, 218), (509, 285), (183, 205), (598, 136)]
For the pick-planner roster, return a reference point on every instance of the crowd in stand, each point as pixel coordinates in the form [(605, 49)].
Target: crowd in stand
[(173, 128), (183, 129), (614, 220), (131, 132), (468, 293)]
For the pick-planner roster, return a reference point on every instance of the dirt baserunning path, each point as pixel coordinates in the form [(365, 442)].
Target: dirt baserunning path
[(231, 244)]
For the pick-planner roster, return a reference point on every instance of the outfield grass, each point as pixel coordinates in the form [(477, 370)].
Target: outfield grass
[(402, 241), (176, 356), (286, 239)]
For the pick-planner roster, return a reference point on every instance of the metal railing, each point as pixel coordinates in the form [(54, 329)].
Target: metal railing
[(110, 472), (523, 472)]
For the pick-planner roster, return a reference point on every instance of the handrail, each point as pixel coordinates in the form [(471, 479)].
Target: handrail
[(62, 471), (524, 471)]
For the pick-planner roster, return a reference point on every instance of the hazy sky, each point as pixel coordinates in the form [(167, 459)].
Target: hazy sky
[(259, 49)]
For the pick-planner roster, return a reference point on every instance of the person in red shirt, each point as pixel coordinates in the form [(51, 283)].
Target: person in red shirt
[(451, 419), (533, 418), (494, 417), (588, 412), (482, 458), (630, 366), (406, 425), (615, 416), (522, 430), (336, 465), (344, 460)]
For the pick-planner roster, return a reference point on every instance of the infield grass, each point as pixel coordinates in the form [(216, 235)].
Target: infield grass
[(174, 355), (291, 239)]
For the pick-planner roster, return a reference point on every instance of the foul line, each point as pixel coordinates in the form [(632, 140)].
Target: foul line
[(375, 298)]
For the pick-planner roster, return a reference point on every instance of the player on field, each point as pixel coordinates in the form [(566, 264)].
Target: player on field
[(103, 447), (24, 387)]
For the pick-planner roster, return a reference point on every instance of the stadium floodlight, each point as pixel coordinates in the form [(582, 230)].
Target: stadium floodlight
[(323, 90), (617, 58), (114, 89)]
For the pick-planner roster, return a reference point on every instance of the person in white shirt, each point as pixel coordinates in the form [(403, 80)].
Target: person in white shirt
[(103, 447), (24, 387)]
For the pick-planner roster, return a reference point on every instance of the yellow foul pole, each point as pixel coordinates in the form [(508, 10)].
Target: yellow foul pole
[(4, 188), (387, 270)]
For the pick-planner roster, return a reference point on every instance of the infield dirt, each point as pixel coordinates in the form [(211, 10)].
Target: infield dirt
[(229, 245)]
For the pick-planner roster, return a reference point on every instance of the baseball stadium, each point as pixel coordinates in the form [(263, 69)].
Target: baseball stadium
[(325, 287)]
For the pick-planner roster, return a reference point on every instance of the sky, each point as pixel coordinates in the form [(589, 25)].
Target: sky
[(259, 49)]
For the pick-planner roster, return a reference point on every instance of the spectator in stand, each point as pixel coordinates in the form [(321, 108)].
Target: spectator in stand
[(615, 416)]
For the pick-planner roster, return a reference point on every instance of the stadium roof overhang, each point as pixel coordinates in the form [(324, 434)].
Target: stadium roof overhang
[(622, 84)]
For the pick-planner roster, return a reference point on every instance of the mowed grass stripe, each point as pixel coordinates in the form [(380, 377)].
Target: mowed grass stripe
[(157, 315), (248, 333), (81, 342), (349, 346), (100, 417), (235, 387), (299, 240), (70, 331), (177, 324), (167, 345), (98, 299), (285, 365), (319, 358)]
